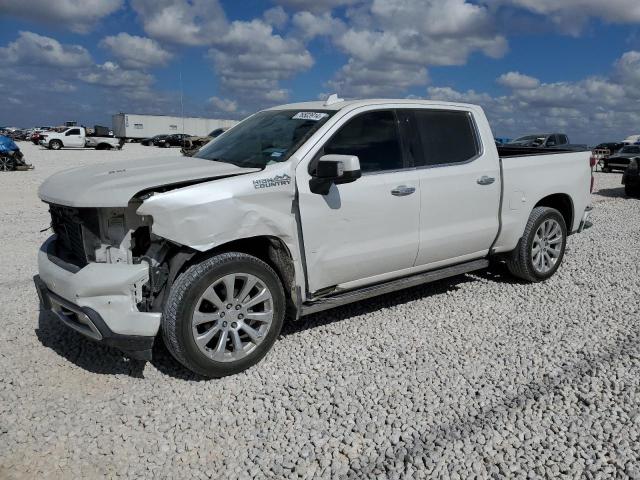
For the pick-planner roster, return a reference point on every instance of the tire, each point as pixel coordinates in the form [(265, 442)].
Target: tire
[(606, 170), (7, 164), (55, 144), (632, 191), (521, 260), (198, 305)]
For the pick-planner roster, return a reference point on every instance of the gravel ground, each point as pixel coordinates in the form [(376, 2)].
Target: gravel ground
[(475, 376)]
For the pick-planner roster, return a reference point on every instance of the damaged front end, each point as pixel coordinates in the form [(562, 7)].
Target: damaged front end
[(112, 235), (102, 274)]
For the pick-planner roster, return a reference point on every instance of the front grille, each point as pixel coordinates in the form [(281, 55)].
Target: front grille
[(67, 225)]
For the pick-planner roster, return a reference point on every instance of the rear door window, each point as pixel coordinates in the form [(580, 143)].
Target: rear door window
[(447, 137)]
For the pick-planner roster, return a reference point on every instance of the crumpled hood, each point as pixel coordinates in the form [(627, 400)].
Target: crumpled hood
[(113, 184)]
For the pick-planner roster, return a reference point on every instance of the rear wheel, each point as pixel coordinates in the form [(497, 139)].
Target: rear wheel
[(540, 251), (223, 314), (55, 144)]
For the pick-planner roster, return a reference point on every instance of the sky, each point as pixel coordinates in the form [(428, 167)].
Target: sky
[(535, 66)]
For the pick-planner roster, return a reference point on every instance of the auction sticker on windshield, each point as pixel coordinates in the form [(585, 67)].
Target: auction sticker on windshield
[(315, 116)]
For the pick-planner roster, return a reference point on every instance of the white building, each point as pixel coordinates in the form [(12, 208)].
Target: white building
[(132, 125)]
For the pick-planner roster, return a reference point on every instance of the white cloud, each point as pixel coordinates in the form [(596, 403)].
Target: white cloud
[(195, 22), (276, 17), (356, 79), (251, 60), (593, 110), (78, 15), (37, 50), (309, 25), (136, 52), (627, 72), (316, 6), (518, 81), (62, 86), (571, 16), (110, 74), (395, 41), (224, 105)]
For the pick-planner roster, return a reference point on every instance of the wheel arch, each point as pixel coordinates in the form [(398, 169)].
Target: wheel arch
[(561, 202), (270, 249)]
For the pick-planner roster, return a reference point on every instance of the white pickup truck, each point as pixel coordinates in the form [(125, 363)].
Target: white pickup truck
[(76, 137), (298, 209)]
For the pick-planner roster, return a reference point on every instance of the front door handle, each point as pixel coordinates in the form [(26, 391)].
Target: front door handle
[(484, 180), (402, 191)]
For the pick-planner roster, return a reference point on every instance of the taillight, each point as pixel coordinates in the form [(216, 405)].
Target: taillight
[(593, 161)]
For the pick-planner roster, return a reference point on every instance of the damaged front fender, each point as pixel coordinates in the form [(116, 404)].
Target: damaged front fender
[(210, 214)]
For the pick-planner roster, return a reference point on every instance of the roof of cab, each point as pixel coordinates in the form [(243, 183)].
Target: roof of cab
[(320, 105)]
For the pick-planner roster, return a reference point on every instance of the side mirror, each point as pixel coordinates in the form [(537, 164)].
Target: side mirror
[(334, 169)]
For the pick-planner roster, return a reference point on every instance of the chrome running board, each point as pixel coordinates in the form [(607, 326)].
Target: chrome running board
[(337, 300)]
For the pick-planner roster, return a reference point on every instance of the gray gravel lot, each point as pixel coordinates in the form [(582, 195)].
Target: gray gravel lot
[(475, 376)]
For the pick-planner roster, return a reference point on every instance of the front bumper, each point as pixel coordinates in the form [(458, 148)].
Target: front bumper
[(584, 222), (98, 300)]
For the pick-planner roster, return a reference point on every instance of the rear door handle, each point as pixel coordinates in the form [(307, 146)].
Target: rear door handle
[(484, 180), (402, 191)]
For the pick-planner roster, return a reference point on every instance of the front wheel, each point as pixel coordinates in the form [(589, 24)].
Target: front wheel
[(223, 314), (540, 251), (55, 144), (7, 164)]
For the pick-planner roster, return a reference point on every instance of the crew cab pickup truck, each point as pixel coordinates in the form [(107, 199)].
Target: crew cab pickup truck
[(298, 209), (76, 137)]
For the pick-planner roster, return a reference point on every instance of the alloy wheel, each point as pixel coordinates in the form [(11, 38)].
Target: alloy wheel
[(546, 248), (232, 317)]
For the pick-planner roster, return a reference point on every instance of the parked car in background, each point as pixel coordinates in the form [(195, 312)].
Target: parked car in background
[(631, 139), (546, 140), (193, 144), (173, 140), (18, 134), (541, 140), (11, 158), (76, 137), (612, 147), (36, 137), (147, 142), (631, 178), (298, 209), (620, 159)]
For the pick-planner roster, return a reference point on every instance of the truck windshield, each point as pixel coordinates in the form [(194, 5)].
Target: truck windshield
[(267, 137)]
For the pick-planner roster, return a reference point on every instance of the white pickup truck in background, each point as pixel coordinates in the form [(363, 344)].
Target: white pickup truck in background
[(298, 209), (76, 137)]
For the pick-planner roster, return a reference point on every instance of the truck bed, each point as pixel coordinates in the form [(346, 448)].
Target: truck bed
[(529, 174)]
